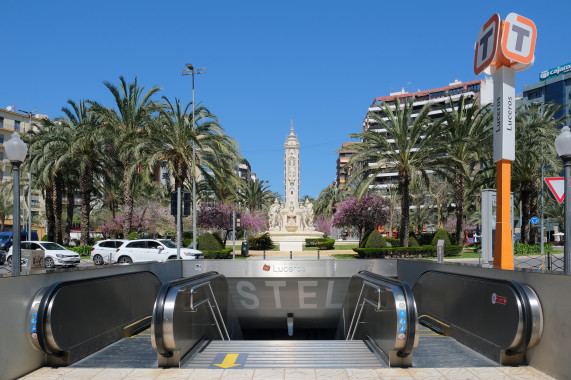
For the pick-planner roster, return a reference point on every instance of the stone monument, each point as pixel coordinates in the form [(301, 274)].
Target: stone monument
[(291, 223)]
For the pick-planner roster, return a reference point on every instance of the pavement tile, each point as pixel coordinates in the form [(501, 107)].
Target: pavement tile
[(300, 373), (331, 374), (175, 373), (269, 374), (394, 374), (237, 374), (362, 374), (207, 374)]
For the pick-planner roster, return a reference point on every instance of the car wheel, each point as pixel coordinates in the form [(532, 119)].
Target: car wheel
[(172, 258), (97, 260), (9, 261), (49, 262), (124, 260)]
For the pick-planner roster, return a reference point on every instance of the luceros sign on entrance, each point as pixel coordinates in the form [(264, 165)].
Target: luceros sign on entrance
[(486, 44)]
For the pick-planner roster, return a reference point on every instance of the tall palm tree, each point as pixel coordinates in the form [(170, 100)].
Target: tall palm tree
[(87, 152), (134, 112), (536, 129), (408, 149), (327, 199), (169, 139), (466, 135)]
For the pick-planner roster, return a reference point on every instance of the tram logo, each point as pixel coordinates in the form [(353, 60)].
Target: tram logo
[(499, 299), (266, 267)]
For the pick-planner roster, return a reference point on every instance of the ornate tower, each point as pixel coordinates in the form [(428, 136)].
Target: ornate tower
[(291, 172)]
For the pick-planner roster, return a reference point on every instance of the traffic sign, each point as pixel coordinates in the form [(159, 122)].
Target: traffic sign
[(556, 185), (487, 44), (518, 39), (534, 220)]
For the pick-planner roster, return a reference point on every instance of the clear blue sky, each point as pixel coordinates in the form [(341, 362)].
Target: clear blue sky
[(318, 63)]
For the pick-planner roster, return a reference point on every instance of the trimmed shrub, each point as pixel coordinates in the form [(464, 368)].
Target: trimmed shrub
[(364, 239), (45, 238), (412, 242), (83, 250), (441, 235), (207, 242), (219, 238), (407, 252), (261, 242), (528, 249), (321, 243), (187, 242), (186, 235), (425, 238), (133, 236), (392, 242), (221, 254), (376, 240)]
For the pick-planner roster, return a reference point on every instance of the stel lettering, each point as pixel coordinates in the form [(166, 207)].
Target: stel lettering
[(309, 296)]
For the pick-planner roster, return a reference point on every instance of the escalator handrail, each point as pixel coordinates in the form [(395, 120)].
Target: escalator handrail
[(50, 293), (159, 308), (411, 312), (521, 295)]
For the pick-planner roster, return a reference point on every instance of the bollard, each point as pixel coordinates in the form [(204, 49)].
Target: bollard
[(290, 255), (264, 254), (440, 251), (318, 254)]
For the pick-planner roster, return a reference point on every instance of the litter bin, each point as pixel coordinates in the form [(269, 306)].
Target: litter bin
[(245, 249)]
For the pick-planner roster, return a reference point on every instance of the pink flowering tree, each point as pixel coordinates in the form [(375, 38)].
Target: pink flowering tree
[(219, 217), (365, 214), (323, 224), (114, 227)]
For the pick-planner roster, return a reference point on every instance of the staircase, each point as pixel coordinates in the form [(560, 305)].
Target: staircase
[(286, 354)]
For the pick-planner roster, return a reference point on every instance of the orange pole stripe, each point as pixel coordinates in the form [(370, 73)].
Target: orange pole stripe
[(503, 247)]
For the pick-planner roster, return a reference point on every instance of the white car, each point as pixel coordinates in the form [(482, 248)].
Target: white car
[(104, 250), (55, 254), (152, 250)]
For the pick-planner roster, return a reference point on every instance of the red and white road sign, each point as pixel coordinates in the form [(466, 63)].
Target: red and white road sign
[(487, 44), (557, 187), (518, 39)]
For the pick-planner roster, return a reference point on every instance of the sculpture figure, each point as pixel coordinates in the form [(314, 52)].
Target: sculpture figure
[(274, 215)]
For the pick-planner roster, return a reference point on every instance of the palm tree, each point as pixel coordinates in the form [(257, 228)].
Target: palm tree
[(87, 152), (134, 113), (408, 149), (466, 134), (168, 141), (536, 129), (255, 195)]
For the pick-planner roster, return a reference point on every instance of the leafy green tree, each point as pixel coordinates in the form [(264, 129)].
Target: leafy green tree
[(255, 195), (407, 148), (466, 135), (327, 200), (536, 130), (134, 112)]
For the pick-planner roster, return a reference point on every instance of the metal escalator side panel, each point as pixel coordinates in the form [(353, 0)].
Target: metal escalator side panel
[(536, 316)]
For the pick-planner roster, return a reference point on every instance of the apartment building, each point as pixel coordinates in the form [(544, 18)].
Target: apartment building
[(12, 121), (345, 153), (476, 90), (554, 86)]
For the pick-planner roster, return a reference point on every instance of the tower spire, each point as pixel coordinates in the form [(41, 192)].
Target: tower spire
[(291, 130)]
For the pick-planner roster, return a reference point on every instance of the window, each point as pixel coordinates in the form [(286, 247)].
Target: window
[(137, 244), (17, 125), (1, 137), (1, 123), (153, 244)]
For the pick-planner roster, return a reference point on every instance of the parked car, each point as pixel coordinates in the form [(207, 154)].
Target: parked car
[(7, 238), (153, 250), (55, 254), (2, 257), (105, 249)]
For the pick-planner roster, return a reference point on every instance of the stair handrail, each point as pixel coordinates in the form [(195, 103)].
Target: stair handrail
[(377, 306), (194, 308)]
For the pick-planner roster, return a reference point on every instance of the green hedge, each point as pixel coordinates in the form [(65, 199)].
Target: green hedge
[(218, 255), (208, 242), (364, 238), (393, 242), (321, 243), (376, 240), (441, 235), (392, 252), (528, 249), (83, 250), (261, 242)]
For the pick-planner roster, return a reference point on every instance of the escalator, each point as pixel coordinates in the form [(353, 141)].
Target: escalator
[(200, 322)]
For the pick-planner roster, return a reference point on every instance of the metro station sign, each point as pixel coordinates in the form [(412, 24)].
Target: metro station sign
[(487, 44), (518, 39)]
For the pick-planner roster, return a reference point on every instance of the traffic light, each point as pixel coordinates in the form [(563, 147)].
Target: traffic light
[(237, 220), (173, 204), (186, 208)]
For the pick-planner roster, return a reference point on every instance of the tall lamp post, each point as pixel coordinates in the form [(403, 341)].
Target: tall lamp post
[(29, 224), (563, 147), (192, 71), (16, 151)]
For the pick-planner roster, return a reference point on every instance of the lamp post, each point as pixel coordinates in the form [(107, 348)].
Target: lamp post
[(192, 71), (29, 224), (563, 147), (16, 151)]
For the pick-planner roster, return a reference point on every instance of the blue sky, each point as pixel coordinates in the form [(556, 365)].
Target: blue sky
[(318, 63)]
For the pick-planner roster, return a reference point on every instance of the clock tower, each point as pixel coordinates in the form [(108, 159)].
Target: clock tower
[(291, 172)]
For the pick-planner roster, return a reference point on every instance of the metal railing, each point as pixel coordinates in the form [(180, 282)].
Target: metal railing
[(355, 322), (218, 321)]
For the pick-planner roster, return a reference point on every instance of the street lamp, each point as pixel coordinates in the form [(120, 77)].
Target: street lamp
[(563, 147), (192, 71), (16, 151), (29, 224)]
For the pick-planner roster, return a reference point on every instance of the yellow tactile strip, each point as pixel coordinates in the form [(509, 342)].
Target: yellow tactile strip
[(476, 373)]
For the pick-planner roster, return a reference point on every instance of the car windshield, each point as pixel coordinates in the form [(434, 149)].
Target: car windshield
[(168, 243), (52, 247), (4, 238)]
